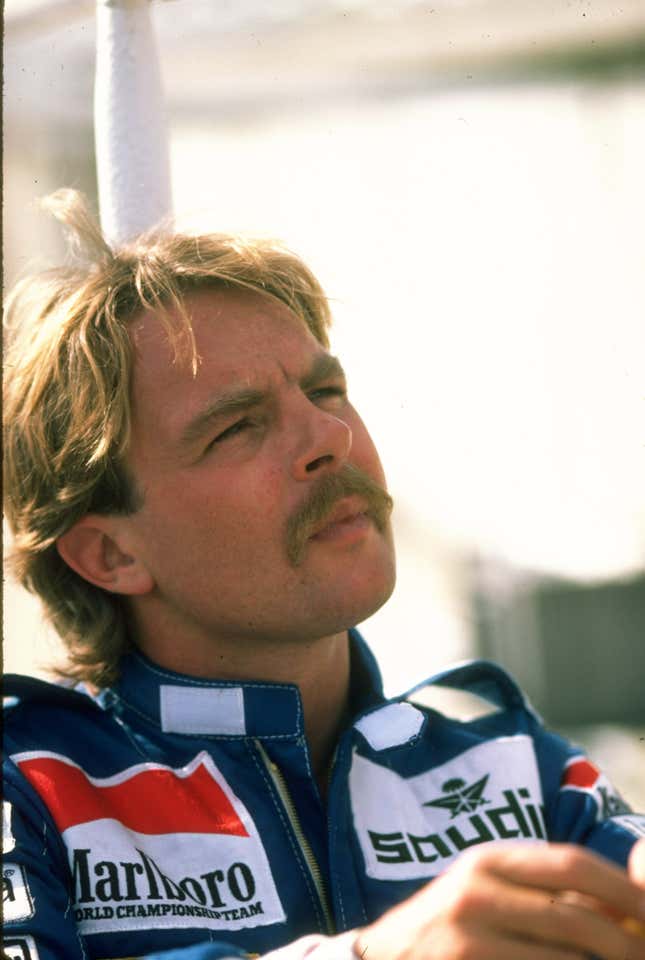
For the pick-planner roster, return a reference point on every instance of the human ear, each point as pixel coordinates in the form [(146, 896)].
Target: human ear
[(98, 551)]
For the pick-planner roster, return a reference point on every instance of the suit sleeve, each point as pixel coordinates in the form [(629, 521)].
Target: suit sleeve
[(582, 805), (38, 918)]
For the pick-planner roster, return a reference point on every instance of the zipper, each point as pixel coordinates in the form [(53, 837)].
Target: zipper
[(280, 785)]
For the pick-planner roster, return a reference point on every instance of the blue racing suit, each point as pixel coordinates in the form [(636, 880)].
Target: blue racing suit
[(169, 813)]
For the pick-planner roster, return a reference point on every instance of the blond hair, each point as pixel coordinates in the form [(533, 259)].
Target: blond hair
[(66, 396)]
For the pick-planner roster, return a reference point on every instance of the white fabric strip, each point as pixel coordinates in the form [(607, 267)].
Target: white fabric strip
[(209, 710), (132, 155), (391, 726)]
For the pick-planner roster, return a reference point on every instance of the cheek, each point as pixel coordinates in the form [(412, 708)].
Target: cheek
[(364, 454), (216, 539), (228, 510)]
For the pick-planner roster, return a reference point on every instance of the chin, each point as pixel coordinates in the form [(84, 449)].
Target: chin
[(366, 594), (376, 601), (349, 590)]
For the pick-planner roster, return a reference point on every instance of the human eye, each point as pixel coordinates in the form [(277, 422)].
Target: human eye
[(234, 430), (335, 394)]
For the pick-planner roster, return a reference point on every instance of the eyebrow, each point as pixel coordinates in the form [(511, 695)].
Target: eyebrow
[(236, 401), (324, 366)]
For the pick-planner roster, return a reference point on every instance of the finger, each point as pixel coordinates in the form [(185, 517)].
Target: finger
[(566, 867), (548, 918), (636, 870), (482, 946), (634, 927), (636, 866), (445, 941)]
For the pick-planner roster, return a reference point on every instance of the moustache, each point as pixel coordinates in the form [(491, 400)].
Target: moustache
[(329, 489)]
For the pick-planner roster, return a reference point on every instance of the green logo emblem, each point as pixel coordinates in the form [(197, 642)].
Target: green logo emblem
[(460, 798)]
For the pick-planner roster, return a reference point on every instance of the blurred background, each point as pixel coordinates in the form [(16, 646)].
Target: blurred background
[(466, 177)]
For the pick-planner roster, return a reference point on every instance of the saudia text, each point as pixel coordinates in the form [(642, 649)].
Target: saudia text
[(516, 818)]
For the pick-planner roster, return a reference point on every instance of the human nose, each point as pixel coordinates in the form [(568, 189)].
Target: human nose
[(324, 445)]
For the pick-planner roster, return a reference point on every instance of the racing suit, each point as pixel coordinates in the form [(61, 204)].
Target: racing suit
[(173, 813)]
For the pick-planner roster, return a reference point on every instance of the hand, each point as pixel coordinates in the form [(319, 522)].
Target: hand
[(636, 869), (515, 902), (636, 866)]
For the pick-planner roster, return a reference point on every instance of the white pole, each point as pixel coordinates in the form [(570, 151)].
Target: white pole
[(132, 154)]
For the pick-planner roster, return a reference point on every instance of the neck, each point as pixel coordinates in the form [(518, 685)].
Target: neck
[(319, 668), (325, 695)]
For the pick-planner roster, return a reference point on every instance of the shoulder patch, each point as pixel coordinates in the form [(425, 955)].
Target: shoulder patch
[(584, 777), (8, 839), (19, 948), (17, 903)]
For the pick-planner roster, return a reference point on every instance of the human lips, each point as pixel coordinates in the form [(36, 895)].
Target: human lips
[(348, 515), (340, 507)]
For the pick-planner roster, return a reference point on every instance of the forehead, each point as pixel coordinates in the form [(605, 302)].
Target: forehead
[(230, 321), (241, 339)]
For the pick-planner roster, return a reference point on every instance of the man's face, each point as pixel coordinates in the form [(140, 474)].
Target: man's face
[(228, 462)]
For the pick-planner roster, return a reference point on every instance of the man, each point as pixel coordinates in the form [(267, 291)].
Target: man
[(205, 517)]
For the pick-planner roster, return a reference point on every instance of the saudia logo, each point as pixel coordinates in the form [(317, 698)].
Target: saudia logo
[(518, 816), (129, 886), (461, 798)]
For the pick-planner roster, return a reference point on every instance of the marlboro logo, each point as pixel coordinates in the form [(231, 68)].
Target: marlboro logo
[(148, 798), (155, 846)]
